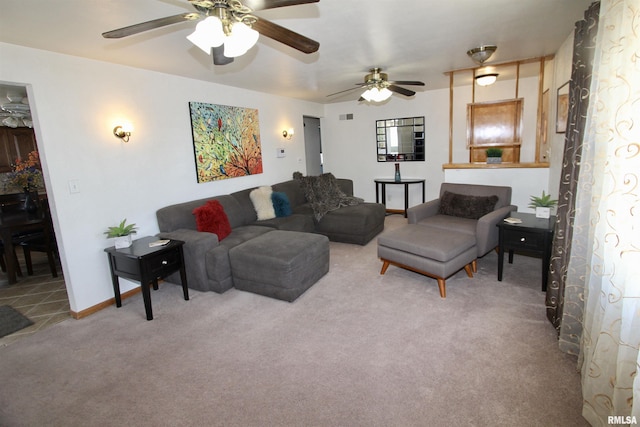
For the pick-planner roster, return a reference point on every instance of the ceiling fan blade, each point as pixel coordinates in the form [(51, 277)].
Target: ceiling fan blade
[(407, 82), (272, 4), (218, 56), (401, 90), (283, 35), (360, 85), (149, 25)]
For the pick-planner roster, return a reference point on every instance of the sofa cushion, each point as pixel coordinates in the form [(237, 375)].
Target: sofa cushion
[(211, 218), (261, 198), (281, 204), (466, 206), (293, 222), (446, 222)]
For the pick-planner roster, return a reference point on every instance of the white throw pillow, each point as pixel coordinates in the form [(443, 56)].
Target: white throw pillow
[(261, 199)]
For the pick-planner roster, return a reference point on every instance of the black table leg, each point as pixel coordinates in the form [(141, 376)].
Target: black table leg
[(183, 278), (146, 296), (116, 284), (406, 199), (500, 259)]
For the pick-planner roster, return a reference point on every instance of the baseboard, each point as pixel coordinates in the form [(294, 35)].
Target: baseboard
[(94, 309)]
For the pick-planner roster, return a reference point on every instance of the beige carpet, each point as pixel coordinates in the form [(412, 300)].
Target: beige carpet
[(357, 349)]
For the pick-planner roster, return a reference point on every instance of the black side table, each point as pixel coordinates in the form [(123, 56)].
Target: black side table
[(531, 236), (146, 264), (384, 182)]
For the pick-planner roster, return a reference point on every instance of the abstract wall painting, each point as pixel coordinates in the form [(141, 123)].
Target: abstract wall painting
[(226, 141)]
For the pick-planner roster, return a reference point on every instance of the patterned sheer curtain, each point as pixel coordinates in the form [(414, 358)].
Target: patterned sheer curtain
[(605, 246)]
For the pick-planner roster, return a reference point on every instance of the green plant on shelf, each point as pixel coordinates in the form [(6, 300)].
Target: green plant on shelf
[(494, 152)]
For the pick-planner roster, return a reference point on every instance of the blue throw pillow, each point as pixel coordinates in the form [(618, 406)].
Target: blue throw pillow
[(281, 204)]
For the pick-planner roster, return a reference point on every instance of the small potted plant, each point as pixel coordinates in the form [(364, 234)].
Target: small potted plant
[(542, 205), (122, 234), (494, 155)]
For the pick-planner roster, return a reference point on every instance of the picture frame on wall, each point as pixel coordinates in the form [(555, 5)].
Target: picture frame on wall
[(562, 110)]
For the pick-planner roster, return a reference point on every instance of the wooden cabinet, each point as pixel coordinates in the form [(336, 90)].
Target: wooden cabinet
[(495, 124), (14, 143)]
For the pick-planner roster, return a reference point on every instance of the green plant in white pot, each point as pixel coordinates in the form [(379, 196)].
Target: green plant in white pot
[(121, 234), (494, 155), (542, 205)]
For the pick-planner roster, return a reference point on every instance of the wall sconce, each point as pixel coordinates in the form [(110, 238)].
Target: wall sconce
[(123, 132), (287, 133)]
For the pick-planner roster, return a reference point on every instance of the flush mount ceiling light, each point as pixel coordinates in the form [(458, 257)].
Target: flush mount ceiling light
[(480, 55), (486, 79)]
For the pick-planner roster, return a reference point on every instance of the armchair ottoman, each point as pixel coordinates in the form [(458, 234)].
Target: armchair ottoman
[(430, 251)]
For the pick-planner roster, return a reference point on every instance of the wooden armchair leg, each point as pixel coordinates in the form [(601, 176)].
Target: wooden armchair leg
[(385, 265)]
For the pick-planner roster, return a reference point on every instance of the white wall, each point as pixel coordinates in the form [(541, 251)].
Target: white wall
[(76, 103), (561, 75), (349, 146)]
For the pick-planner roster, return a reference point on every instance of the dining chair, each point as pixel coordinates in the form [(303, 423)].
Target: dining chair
[(41, 241), (10, 203), (14, 203)]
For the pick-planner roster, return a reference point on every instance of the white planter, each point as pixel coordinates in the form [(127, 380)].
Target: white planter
[(123, 242), (493, 160), (543, 212)]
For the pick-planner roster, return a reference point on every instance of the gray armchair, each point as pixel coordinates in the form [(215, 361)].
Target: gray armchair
[(461, 217)]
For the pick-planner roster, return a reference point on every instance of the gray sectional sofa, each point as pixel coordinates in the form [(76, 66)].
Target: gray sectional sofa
[(207, 260)]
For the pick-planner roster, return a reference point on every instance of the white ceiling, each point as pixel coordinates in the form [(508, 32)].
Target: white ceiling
[(410, 39)]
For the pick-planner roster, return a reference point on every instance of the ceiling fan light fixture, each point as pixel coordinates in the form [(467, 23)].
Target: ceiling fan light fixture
[(208, 34), (376, 94), (241, 39), (11, 122), (486, 79)]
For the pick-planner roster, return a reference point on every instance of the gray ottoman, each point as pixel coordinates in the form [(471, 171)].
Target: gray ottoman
[(431, 251), (280, 264)]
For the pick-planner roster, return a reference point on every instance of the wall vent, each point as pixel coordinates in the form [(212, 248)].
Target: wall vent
[(348, 116)]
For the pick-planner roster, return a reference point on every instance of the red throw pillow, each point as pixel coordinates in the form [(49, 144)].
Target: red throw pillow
[(211, 218)]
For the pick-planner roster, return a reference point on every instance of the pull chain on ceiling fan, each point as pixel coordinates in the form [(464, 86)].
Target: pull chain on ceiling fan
[(228, 29)]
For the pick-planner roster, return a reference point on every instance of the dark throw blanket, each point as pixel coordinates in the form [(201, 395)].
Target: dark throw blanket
[(324, 194)]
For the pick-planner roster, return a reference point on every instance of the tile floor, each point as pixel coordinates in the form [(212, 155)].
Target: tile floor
[(41, 297)]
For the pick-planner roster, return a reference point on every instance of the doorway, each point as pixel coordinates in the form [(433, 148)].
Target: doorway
[(312, 145), (37, 295)]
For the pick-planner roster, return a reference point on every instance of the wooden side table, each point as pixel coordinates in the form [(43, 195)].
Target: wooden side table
[(146, 264), (532, 236)]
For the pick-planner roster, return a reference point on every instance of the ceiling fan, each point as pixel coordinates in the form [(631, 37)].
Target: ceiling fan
[(380, 88), (227, 28)]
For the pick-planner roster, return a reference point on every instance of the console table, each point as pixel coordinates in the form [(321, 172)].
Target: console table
[(405, 182), (531, 236), (146, 264)]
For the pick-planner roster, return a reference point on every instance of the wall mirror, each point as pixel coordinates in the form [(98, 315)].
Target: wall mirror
[(400, 139)]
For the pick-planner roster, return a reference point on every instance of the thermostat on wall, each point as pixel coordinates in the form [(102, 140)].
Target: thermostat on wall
[(281, 152)]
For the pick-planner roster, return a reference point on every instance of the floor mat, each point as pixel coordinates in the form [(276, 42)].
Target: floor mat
[(12, 320)]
